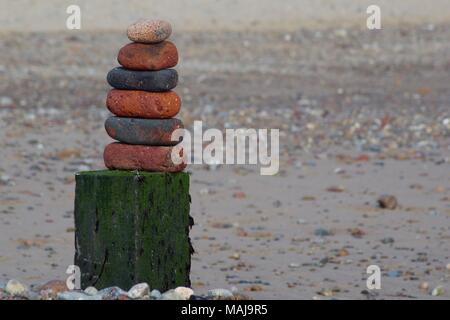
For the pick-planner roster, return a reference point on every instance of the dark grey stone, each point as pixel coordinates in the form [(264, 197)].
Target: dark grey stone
[(155, 81)]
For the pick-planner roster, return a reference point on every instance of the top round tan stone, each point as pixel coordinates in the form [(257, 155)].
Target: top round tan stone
[(149, 31)]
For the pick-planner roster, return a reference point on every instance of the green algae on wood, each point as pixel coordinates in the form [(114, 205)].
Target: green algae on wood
[(132, 227)]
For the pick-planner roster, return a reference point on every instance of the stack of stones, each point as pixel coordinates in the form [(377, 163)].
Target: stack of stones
[(143, 101)]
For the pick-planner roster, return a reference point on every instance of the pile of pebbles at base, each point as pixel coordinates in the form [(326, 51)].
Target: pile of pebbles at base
[(57, 290)]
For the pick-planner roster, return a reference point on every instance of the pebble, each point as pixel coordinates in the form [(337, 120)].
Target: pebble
[(171, 295), (15, 288), (424, 286), (387, 202), (438, 291), (394, 274), (154, 132), (137, 157), (139, 56), (387, 240), (143, 104), (149, 31), (197, 298), (6, 101), (76, 295), (91, 291), (155, 294), (111, 293), (6, 180), (336, 189), (155, 81), (184, 292), (220, 293), (343, 253), (51, 289), (357, 232), (320, 232), (139, 291)]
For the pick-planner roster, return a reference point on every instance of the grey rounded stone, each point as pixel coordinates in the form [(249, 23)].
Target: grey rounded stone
[(154, 81), (171, 295), (220, 293), (91, 291), (15, 288), (184, 292), (111, 293), (138, 291), (152, 132), (155, 294), (77, 295)]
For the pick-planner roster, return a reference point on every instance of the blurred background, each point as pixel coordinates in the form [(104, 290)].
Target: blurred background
[(362, 113)]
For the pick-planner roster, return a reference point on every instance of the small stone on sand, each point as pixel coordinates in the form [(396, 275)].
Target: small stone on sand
[(387, 202)]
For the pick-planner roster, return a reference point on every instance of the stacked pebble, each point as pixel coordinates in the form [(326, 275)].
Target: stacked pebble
[(142, 101)]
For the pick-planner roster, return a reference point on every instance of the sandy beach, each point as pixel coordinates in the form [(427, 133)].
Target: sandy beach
[(361, 114)]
